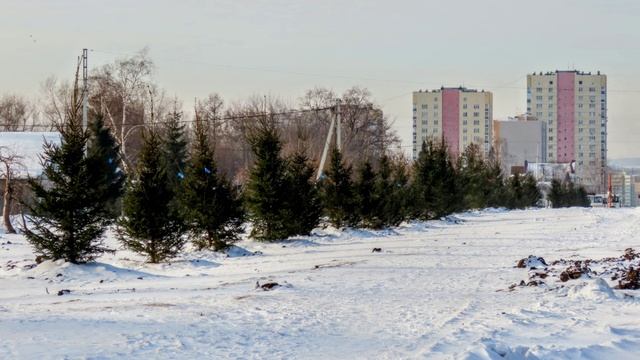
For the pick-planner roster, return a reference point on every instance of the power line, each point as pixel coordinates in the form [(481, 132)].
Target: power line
[(225, 118)]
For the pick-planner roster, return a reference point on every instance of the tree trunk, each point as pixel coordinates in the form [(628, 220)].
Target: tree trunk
[(6, 208), (123, 140)]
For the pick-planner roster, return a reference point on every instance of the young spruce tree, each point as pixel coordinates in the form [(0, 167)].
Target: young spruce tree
[(104, 160), (303, 199), (368, 205), (267, 191), (174, 146), (210, 205), (473, 182), (397, 202), (557, 194), (338, 194), (151, 225), (434, 184), (67, 216)]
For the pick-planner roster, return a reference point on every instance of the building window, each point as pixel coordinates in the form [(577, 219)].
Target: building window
[(425, 106)]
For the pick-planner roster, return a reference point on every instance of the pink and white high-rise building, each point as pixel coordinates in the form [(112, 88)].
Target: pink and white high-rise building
[(573, 105), (460, 116)]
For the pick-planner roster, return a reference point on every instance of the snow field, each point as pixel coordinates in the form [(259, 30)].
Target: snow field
[(437, 290)]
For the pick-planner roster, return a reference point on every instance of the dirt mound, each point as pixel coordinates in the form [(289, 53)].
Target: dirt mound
[(531, 262), (625, 269)]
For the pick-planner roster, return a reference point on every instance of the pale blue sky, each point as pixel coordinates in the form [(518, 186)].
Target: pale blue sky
[(240, 48)]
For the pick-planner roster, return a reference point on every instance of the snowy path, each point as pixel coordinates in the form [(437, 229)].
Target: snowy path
[(430, 293)]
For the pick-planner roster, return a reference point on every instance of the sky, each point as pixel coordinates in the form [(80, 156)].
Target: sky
[(240, 48)]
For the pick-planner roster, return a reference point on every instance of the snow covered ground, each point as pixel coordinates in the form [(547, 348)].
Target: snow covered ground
[(435, 290)]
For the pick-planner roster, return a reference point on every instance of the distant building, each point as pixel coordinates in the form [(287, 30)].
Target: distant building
[(29, 146), (573, 105), (546, 172), (460, 116), (518, 140), (624, 186)]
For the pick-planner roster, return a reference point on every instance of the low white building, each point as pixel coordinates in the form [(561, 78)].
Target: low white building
[(29, 146)]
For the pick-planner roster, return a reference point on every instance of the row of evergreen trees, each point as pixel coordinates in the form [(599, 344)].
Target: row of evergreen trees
[(567, 194), (176, 194), (438, 187)]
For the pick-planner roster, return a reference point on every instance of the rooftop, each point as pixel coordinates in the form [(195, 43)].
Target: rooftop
[(29, 146)]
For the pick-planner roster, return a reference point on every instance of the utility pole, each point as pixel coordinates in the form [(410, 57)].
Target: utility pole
[(339, 130), (335, 122), (85, 88)]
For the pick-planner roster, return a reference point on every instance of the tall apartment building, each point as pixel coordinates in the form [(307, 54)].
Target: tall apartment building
[(460, 116), (574, 106)]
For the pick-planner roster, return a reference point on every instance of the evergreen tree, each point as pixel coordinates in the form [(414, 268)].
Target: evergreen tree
[(303, 201), (557, 194), (368, 206), (473, 182), (530, 193), (515, 192), (567, 194), (338, 195), (104, 160), (391, 193), (496, 193), (210, 205), (434, 183), (174, 146), (398, 207), (67, 215), (150, 224), (267, 188), (582, 197)]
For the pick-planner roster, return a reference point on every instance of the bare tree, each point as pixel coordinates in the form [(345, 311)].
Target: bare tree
[(9, 162), (123, 92), (366, 132), (56, 100), (16, 113), (211, 110)]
